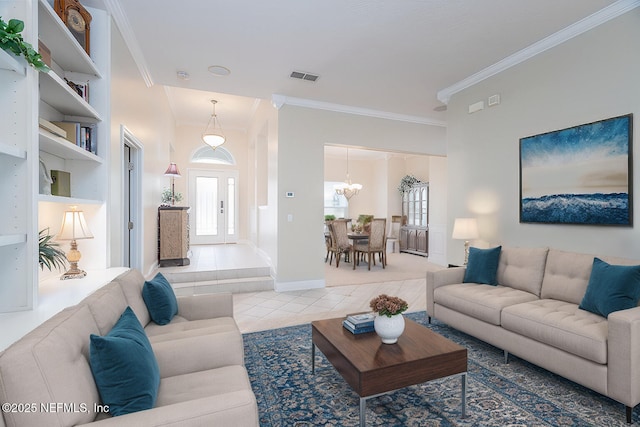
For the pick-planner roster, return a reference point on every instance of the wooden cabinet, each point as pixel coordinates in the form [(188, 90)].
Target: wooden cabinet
[(414, 232), (173, 236)]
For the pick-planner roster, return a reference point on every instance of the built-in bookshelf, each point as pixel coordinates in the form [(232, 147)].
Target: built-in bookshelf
[(27, 96), (17, 222)]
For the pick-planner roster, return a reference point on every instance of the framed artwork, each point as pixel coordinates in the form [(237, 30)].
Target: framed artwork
[(578, 175)]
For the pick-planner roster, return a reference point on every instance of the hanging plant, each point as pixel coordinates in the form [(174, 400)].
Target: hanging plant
[(11, 41), (407, 182)]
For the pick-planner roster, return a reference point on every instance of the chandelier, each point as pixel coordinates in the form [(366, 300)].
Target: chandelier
[(212, 135), (347, 189)]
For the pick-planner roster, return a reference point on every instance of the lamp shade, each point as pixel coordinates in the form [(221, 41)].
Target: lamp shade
[(213, 139), (74, 226), (172, 171), (465, 229), (213, 135)]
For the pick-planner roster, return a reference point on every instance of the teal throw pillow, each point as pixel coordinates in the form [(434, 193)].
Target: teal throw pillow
[(611, 288), (160, 299), (124, 367), (482, 266)]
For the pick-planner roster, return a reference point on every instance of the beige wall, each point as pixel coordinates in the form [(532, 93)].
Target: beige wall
[(302, 134), (263, 181), (591, 77), (145, 112)]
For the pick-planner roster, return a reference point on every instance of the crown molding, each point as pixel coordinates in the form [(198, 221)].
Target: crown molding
[(279, 100), (120, 18), (614, 10)]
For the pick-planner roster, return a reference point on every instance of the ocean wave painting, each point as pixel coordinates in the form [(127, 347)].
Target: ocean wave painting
[(578, 209), (579, 175)]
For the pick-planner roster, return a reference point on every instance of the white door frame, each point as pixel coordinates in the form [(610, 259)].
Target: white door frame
[(135, 235), (221, 173)]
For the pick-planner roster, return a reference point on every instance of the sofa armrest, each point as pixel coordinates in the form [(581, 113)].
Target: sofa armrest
[(624, 356), (446, 276), (198, 353), (236, 408), (205, 306)]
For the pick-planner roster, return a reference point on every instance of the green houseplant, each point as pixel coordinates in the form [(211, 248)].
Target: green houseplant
[(49, 253), (166, 196), (11, 41)]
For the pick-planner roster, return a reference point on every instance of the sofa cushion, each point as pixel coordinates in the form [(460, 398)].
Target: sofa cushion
[(567, 274), (196, 385), (611, 288), (484, 302), (522, 268), (124, 367), (160, 299), (51, 364), (106, 305), (131, 283), (560, 324), (482, 266), (179, 328)]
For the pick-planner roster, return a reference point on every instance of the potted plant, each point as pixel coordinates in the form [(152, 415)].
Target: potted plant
[(11, 41), (49, 253), (328, 218), (389, 322), (166, 197), (407, 182)]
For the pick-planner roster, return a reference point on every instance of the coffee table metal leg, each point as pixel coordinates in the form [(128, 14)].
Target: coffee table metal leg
[(464, 395), (363, 410), (313, 358)]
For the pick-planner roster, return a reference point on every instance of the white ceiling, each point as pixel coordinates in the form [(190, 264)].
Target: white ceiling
[(391, 56)]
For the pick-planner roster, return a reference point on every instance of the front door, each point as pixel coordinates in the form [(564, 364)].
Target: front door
[(213, 197)]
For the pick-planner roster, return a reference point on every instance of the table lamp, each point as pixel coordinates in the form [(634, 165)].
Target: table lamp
[(74, 227), (174, 173), (465, 229)]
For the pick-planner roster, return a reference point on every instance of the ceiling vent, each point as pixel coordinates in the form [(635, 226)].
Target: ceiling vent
[(303, 76)]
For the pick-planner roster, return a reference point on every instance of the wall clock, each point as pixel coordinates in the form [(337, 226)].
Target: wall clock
[(76, 18)]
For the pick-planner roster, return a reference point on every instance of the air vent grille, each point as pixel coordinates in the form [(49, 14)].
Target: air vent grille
[(303, 76)]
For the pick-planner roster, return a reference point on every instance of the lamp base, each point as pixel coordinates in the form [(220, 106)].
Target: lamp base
[(73, 273), (466, 252)]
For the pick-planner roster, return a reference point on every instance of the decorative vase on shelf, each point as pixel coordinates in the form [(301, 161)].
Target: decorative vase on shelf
[(388, 328)]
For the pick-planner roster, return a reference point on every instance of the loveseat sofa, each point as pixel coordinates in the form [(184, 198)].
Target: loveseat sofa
[(533, 311), (46, 378)]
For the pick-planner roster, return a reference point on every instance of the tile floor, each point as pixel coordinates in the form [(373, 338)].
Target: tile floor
[(255, 311)]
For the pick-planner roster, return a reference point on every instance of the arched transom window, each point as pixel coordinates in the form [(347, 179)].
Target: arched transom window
[(219, 156)]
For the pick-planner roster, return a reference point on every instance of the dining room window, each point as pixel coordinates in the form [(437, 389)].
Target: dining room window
[(334, 204)]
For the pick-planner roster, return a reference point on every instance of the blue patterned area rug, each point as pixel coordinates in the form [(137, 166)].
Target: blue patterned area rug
[(498, 394)]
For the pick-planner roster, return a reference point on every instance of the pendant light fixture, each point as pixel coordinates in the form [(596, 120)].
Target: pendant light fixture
[(347, 189), (212, 135)]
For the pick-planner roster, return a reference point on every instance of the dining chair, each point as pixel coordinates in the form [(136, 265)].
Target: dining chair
[(377, 244), (339, 240)]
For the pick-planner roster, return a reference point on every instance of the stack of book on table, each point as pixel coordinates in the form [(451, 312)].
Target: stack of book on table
[(359, 323)]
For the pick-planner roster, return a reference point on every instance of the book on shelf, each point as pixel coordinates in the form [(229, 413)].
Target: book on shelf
[(84, 135), (360, 329), (50, 127)]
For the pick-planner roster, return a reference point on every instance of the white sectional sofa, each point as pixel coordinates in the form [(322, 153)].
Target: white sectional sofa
[(533, 312), (46, 377)]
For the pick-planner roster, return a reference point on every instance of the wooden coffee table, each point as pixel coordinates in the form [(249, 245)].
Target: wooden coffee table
[(372, 368)]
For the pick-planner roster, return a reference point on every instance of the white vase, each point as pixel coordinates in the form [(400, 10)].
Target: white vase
[(389, 328)]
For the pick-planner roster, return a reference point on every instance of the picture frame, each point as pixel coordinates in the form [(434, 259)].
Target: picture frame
[(579, 175)]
